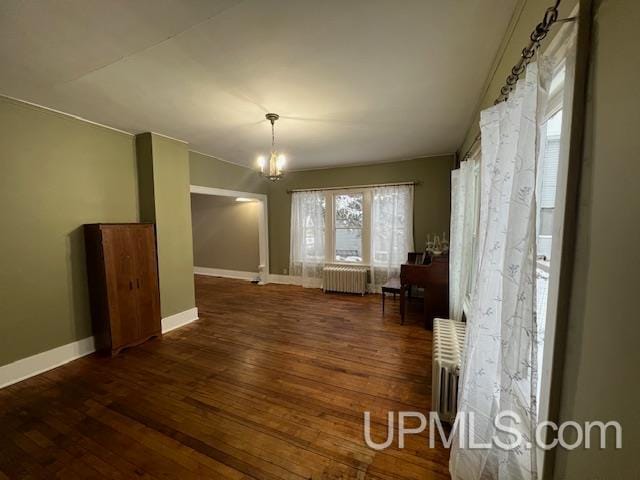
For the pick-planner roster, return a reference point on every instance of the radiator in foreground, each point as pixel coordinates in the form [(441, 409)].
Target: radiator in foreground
[(448, 348)]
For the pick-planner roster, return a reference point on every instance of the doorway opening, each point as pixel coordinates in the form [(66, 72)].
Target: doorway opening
[(230, 235)]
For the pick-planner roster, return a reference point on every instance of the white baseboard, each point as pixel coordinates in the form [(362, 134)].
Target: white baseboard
[(45, 361), (293, 280), (240, 275), (42, 362), (179, 320), (219, 272), (284, 279)]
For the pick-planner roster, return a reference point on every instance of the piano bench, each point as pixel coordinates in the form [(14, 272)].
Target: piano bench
[(392, 286)]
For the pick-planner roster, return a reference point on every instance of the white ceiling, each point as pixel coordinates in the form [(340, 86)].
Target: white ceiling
[(355, 81)]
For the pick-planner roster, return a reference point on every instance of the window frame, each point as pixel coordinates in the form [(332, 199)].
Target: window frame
[(475, 158), (560, 52), (330, 233)]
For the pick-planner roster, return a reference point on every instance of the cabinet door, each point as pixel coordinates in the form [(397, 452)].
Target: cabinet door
[(120, 269), (146, 280)]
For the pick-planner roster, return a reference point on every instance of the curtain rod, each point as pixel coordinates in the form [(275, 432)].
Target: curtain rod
[(539, 33), (397, 184)]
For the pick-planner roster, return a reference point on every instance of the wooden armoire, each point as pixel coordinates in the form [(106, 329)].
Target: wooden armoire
[(122, 268)]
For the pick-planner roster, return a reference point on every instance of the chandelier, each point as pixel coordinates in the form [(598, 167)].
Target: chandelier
[(274, 169)]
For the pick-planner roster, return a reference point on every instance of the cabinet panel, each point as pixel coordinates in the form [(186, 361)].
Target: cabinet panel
[(146, 281), (120, 272)]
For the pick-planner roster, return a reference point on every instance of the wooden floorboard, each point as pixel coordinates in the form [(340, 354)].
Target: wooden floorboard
[(271, 383)]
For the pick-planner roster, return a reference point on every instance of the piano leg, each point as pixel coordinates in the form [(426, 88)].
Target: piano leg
[(402, 303), (428, 312)]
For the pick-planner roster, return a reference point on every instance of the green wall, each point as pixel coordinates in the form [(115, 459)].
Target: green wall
[(225, 233), (602, 354), (56, 173), (163, 166), (431, 200), (207, 171)]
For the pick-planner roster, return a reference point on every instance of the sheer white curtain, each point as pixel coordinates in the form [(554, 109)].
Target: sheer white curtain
[(391, 231), (462, 228), (306, 257), (499, 372)]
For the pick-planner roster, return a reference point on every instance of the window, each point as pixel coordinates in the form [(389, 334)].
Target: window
[(547, 187), (550, 192), (349, 222), (370, 226), (548, 183), (546, 195)]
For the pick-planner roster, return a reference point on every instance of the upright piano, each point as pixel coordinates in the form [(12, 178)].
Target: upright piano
[(430, 272)]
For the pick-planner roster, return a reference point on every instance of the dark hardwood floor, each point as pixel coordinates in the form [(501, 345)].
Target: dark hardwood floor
[(271, 382)]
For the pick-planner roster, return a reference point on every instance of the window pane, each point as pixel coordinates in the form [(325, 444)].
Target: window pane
[(349, 211), (550, 159), (548, 185), (349, 244), (557, 83)]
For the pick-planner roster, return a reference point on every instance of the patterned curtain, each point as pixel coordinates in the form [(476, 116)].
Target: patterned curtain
[(500, 369)]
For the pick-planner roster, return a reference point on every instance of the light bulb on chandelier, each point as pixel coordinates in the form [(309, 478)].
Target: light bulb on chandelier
[(273, 169)]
